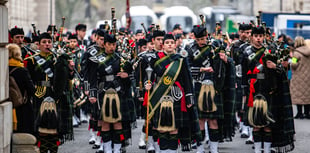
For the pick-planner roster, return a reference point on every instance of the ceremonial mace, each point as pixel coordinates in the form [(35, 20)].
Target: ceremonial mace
[(149, 71)]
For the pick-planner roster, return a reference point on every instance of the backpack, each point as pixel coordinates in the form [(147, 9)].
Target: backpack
[(15, 94)]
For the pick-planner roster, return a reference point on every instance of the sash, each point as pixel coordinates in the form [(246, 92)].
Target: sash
[(44, 64), (164, 85), (96, 55), (257, 56), (107, 60), (203, 55), (165, 61)]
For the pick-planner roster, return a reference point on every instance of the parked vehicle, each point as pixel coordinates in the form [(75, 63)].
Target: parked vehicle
[(217, 14), (178, 15), (140, 14)]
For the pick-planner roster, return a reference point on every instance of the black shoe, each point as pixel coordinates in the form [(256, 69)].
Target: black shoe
[(142, 147), (91, 142), (228, 139), (100, 151), (123, 150), (194, 145), (186, 147), (84, 121), (307, 116), (244, 136), (151, 151), (299, 116), (96, 146), (249, 142)]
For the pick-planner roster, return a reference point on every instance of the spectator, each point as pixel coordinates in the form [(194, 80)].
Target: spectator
[(300, 83), (24, 113)]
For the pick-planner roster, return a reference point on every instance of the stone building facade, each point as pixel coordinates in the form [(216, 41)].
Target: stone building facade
[(23, 13)]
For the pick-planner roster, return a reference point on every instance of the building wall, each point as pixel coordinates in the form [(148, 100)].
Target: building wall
[(289, 6), (23, 13), (43, 17), (5, 106)]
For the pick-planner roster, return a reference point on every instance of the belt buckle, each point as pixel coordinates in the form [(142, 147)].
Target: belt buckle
[(238, 70), (109, 78), (260, 76)]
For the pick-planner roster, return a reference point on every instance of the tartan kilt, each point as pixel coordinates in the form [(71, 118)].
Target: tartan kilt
[(218, 99), (125, 111), (246, 111), (181, 119), (238, 102), (93, 109), (64, 110), (88, 107), (131, 108)]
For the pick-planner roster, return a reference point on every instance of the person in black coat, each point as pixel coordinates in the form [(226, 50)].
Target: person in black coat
[(24, 113)]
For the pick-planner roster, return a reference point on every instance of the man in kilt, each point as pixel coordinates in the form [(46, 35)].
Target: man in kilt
[(89, 66), (270, 110), (139, 66), (236, 51), (53, 111), (154, 44), (110, 86), (205, 68), (75, 55), (225, 82), (171, 98)]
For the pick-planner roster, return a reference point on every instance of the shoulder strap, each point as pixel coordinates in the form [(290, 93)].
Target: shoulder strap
[(164, 85), (15, 68)]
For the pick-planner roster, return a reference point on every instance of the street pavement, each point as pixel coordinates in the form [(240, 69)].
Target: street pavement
[(80, 144)]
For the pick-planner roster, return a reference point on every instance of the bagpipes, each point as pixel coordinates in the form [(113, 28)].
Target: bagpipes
[(35, 32), (218, 65), (124, 48), (32, 49), (275, 48), (137, 59), (60, 41)]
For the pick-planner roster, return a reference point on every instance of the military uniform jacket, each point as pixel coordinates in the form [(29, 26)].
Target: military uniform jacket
[(181, 91), (41, 70), (273, 85), (237, 49), (51, 77), (102, 76), (204, 57), (89, 63)]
